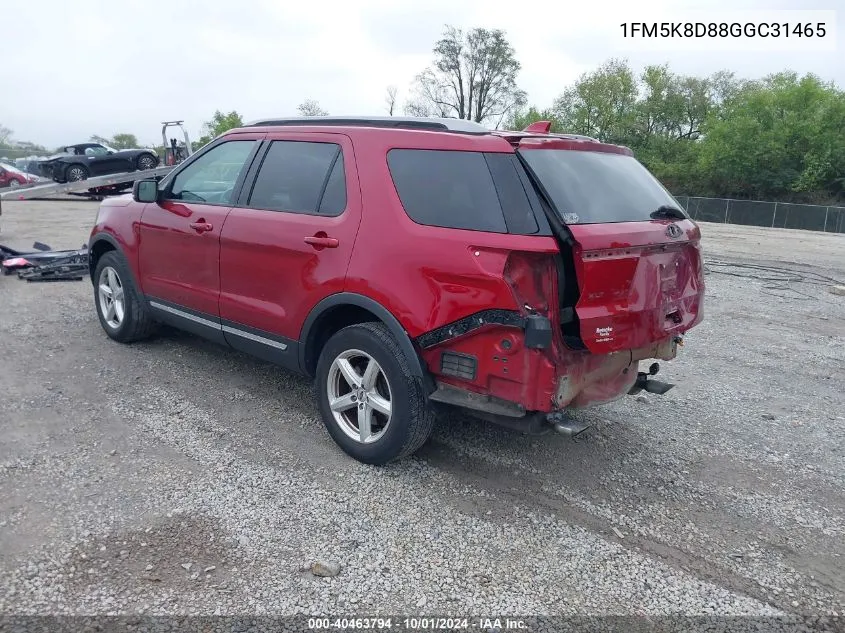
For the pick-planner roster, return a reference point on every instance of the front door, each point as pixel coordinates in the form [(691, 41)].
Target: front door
[(179, 242), (288, 242), (100, 162)]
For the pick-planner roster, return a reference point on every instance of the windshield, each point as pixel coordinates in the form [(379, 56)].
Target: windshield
[(598, 187)]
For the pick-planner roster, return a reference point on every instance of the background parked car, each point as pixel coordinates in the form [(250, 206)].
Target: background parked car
[(11, 176)]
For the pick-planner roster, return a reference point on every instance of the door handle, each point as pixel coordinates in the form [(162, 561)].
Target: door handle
[(201, 226), (321, 240)]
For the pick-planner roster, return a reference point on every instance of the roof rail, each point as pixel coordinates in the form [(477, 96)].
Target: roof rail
[(423, 123)]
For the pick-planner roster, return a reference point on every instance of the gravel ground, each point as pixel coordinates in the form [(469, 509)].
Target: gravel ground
[(176, 477)]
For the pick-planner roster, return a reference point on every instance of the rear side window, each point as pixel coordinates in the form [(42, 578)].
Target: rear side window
[(597, 187), (462, 190), (301, 177), (447, 188)]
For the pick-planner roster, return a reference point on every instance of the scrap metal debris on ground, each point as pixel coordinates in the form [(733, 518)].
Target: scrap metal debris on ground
[(44, 264), (778, 281)]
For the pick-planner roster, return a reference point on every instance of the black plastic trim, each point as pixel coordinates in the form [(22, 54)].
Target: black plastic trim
[(458, 365), (262, 344), (307, 333), (194, 321), (469, 324), (107, 237), (551, 212), (538, 332)]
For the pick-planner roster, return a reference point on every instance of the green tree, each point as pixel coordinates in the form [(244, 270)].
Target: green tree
[(5, 136), (601, 103), (522, 118), (781, 137), (124, 141), (775, 137), (118, 141), (30, 148), (473, 77), (220, 122)]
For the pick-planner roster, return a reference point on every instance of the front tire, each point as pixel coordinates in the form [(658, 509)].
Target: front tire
[(146, 162), (374, 408), (123, 313), (75, 173)]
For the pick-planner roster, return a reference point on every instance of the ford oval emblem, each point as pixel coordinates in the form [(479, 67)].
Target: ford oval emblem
[(673, 230)]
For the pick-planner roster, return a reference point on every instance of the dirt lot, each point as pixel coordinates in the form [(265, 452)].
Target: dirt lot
[(177, 477)]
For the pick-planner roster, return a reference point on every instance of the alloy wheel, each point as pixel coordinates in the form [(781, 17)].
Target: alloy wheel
[(111, 296), (359, 396)]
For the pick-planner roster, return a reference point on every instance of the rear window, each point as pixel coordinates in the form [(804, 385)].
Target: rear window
[(597, 187), (465, 190)]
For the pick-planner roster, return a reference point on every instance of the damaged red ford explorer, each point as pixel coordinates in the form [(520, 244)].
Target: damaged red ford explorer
[(409, 264)]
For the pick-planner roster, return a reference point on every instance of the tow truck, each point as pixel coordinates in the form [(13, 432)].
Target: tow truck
[(99, 187)]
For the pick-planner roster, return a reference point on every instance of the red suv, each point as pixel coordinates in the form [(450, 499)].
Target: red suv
[(408, 264)]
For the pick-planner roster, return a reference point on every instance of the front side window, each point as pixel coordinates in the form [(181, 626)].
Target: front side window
[(301, 177), (211, 178), (96, 151)]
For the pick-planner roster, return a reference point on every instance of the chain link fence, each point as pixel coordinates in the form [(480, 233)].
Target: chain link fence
[(784, 215)]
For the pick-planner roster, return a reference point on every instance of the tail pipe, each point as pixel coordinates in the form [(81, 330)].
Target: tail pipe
[(565, 425)]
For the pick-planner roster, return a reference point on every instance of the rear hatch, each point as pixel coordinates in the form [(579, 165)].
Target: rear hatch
[(636, 253)]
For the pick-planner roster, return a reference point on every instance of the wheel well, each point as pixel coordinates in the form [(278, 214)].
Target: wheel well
[(327, 324), (99, 249)]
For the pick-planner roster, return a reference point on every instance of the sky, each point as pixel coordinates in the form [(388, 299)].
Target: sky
[(75, 69)]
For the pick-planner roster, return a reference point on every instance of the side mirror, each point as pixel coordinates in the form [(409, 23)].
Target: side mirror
[(145, 190)]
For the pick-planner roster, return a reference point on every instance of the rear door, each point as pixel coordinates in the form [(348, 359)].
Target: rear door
[(179, 245), (288, 243), (637, 257)]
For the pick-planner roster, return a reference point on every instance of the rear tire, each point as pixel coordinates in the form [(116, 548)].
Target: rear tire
[(75, 173), (123, 312), (389, 385)]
